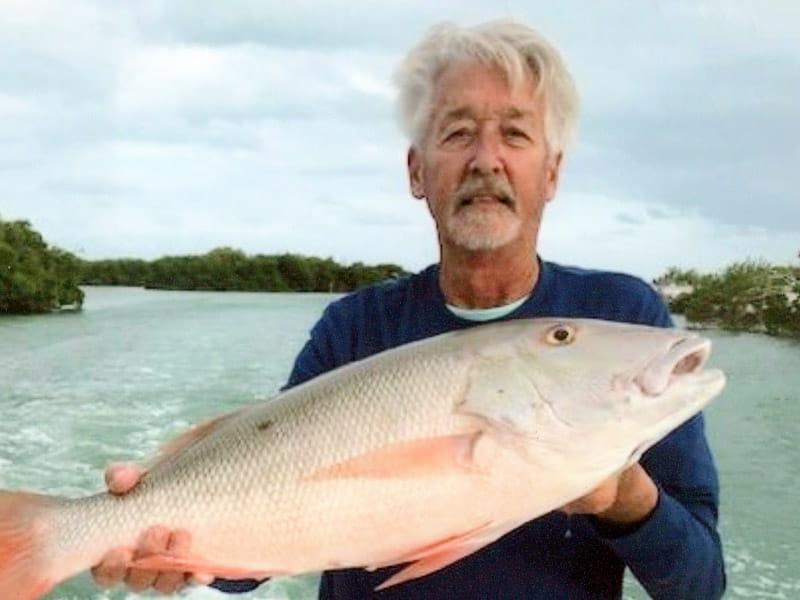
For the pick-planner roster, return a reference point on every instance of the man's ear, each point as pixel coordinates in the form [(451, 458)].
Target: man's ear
[(415, 179), (553, 173)]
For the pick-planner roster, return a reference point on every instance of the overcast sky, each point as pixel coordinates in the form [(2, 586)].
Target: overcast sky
[(156, 127)]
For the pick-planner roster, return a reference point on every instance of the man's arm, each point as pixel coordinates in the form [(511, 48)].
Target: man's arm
[(662, 522), (676, 552), (622, 502), (321, 352)]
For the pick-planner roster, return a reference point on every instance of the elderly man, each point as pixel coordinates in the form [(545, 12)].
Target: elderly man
[(489, 111)]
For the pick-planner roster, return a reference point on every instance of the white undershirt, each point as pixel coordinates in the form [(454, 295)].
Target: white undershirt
[(486, 314)]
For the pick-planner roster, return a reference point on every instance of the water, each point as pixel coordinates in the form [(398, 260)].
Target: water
[(78, 390)]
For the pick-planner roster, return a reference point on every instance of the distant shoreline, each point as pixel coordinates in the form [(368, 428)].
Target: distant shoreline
[(751, 297)]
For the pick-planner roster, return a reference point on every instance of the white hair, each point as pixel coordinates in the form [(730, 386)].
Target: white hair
[(509, 45)]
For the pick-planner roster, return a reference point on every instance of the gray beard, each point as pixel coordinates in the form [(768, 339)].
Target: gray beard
[(478, 232)]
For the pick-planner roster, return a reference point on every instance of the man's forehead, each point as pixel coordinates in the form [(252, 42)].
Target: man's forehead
[(470, 86), (472, 112)]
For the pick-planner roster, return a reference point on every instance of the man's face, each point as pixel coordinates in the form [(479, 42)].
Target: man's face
[(484, 166)]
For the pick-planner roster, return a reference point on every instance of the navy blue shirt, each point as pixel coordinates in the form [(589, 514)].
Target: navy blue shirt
[(676, 554)]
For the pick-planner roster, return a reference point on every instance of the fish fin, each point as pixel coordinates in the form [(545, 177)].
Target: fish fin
[(441, 554), (499, 391), (190, 437), (414, 458), (23, 568), (476, 535), (196, 564)]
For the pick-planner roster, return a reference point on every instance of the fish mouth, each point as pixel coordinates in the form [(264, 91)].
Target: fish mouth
[(684, 358)]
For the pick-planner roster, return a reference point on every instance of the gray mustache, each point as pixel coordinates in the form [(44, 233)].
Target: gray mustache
[(485, 186)]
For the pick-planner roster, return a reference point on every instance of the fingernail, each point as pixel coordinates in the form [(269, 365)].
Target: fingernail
[(200, 579)]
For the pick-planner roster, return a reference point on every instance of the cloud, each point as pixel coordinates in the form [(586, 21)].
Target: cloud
[(586, 230), (247, 81), (627, 219), (721, 147), (85, 187), (326, 24), (161, 127)]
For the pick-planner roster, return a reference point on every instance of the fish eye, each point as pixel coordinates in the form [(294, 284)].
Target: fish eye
[(560, 335)]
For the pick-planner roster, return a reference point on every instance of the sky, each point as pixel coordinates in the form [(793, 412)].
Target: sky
[(162, 127)]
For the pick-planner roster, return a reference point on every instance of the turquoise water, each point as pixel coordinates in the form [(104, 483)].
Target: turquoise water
[(78, 390)]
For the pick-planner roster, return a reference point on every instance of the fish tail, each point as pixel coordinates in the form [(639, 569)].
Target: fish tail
[(23, 565)]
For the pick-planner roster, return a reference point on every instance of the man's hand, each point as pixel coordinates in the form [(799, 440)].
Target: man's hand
[(623, 499), (113, 568)]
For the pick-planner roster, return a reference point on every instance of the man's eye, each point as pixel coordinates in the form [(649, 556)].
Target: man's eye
[(515, 133), (458, 134)]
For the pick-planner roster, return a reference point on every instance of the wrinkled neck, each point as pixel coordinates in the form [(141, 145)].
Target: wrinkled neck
[(487, 279)]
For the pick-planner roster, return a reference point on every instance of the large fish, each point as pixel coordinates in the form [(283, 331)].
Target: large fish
[(459, 439)]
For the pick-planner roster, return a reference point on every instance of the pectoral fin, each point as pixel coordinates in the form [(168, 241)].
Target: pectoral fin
[(415, 458)]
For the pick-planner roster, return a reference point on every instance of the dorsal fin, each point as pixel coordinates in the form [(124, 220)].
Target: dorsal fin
[(190, 437)]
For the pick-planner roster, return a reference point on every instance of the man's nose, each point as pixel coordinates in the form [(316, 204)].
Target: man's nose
[(487, 156)]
